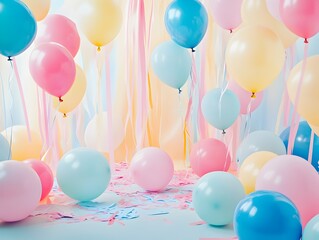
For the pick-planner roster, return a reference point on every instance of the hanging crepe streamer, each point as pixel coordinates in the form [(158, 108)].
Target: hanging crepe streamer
[(295, 117), (26, 118), (310, 153)]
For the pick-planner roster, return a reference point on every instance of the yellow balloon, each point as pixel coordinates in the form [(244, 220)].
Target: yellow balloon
[(21, 147), (251, 167), (254, 57), (39, 8), (308, 106), (255, 12), (100, 20), (75, 95)]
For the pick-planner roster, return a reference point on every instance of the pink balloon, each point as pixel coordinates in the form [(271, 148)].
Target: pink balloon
[(274, 8), (20, 191), (209, 155), (45, 174), (295, 178), (227, 13), (152, 169), (301, 16), (245, 98), (52, 68), (60, 29)]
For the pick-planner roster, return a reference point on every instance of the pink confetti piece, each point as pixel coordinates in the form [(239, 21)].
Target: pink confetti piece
[(232, 238), (197, 223)]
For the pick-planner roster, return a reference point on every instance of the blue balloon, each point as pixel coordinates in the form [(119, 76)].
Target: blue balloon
[(216, 196), (265, 215), (5, 151), (186, 21), (220, 109), (83, 174), (17, 27), (311, 231), (172, 64), (260, 141), (302, 143)]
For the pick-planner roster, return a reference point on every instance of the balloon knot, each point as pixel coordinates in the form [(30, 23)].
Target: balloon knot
[(193, 50), (9, 59), (60, 99), (223, 132), (253, 95), (64, 115), (306, 40), (231, 30), (99, 49), (179, 91)]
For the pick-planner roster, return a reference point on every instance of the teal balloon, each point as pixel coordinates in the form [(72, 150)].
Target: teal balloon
[(17, 27), (215, 197), (220, 109), (186, 21), (83, 174), (311, 231), (172, 64), (5, 151), (260, 141)]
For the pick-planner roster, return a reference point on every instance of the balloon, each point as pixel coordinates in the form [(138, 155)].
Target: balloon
[(266, 215), (102, 23), (20, 191), (251, 167), (215, 197), (44, 173), (227, 13), (247, 104), (254, 58), (281, 175), (5, 151), (220, 109), (172, 64), (39, 9), (301, 17), (186, 22), (255, 12), (260, 141), (22, 147), (17, 27), (152, 169), (96, 134), (83, 174), (75, 95), (209, 155), (302, 143), (309, 91), (311, 231), (273, 7), (60, 29), (52, 68)]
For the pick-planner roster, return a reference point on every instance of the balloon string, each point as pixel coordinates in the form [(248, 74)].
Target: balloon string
[(12, 99), (43, 138), (15, 67), (310, 153), (99, 70), (248, 118), (295, 117)]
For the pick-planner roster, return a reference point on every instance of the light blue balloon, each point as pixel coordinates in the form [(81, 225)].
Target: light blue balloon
[(186, 21), (172, 64), (83, 174), (17, 27), (216, 196), (5, 151), (313, 47), (220, 109), (260, 141), (311, 231)]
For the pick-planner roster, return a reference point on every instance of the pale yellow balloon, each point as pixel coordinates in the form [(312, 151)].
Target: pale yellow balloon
[(21, 147), (100, 20), (251, 167), (255, 12), (254, 57), (308, 106), (39, 8), (75, 95)]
